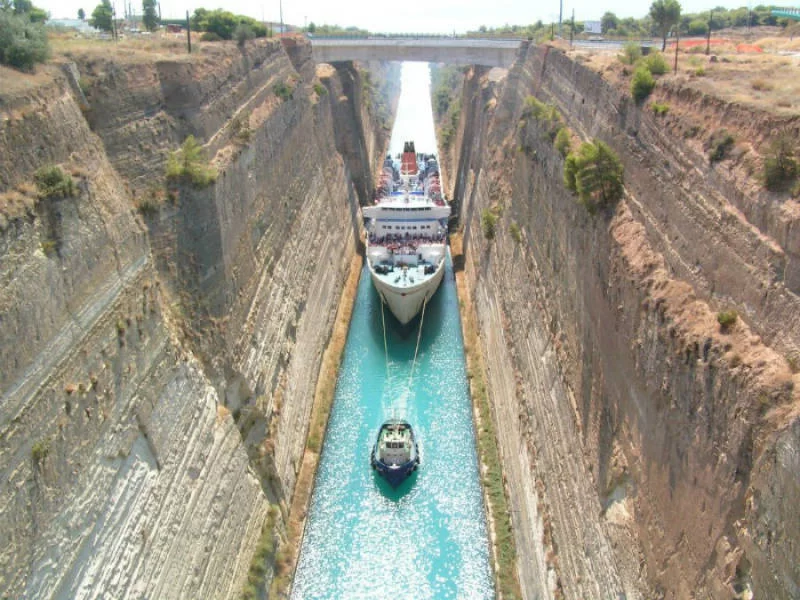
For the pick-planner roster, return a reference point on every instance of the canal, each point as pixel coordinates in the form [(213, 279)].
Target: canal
[(427, 539)]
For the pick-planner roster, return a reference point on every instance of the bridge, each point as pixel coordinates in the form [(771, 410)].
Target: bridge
[(454, 51), (792, 13)]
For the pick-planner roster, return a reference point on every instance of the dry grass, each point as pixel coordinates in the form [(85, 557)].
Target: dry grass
[(767, 80), (323, 402), (503, 546), (128, 50)]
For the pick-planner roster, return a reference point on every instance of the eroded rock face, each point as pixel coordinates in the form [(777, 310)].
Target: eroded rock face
[(648, 451), (158, 371)]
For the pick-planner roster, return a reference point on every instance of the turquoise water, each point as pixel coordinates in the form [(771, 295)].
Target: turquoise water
[(428, 538)]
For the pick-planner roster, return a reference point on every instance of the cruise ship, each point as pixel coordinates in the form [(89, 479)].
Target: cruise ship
[(407, 233)]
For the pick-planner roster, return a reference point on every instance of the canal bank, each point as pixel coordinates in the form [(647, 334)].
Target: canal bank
[(427, 539)]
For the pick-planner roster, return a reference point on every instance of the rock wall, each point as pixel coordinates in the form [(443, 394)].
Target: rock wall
[(158, 368), (648, 453)]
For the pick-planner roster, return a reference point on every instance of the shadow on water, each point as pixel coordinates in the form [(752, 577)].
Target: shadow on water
[(402, 339), (398, 493)]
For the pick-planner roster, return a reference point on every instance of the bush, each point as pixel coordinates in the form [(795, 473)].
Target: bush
[(659, 108), (656, 63), (210, 36), (631, 53), (320, 90), (40, 450), (780, 165), (642, 83), (546, 115), (243, 33), (719, 145), (190, 165), (595, 173), (52, 182), (726, 319), (488, 223), (23, 43), (516, 234), (563, 141), (283, 91)]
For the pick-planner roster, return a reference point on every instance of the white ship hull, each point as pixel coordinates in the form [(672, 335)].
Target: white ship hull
[(405, 302)]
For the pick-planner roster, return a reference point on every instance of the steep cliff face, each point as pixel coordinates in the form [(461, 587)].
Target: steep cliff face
[(651, 453), (158, 370)]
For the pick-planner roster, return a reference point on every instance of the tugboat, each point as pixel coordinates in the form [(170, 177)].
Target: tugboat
[(395, 454)]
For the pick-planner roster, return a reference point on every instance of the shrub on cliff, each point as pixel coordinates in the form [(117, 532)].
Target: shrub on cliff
[(190, 165), (488, 223), (546, 115), (243, 34), (631, 53), (719, 145), (563, 142), (656, 63), (595, 173), (283, 91), (23, 42), (726, 319), (780, 165), (52, 182), (642, 83)]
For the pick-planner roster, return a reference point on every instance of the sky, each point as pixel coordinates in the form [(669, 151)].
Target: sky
[(439, 16)]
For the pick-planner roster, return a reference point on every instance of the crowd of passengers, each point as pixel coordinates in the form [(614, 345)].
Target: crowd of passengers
[(405, 239)]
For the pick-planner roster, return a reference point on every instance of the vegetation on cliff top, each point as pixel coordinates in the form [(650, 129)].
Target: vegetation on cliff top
[(224, 23), (190, 165), (23, 40), (629, 27), (595, 173)]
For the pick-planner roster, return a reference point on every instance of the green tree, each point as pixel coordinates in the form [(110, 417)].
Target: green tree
[(311, 27), (609, 22), (149, 15), (103, 16), (23, 42), (81, 14), (595, 173), (665, 14)]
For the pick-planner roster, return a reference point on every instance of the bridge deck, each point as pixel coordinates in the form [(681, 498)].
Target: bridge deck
[(493, 53)]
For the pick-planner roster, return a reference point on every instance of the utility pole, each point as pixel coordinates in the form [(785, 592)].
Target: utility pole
[(114, 32), (677, 43), (188, 32), (708, 35), (572, 28), (560, 14), (280, 6)]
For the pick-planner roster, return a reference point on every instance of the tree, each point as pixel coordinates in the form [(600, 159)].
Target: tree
[(149, 15), (81, 14), (609, 22), (23, 42), (665, 15), (595, 173), (103, 16)]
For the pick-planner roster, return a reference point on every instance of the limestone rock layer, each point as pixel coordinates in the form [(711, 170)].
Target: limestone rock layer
[(647, 452), (159, 343)]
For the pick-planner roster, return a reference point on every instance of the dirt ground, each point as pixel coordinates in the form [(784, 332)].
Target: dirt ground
[(752, 70)]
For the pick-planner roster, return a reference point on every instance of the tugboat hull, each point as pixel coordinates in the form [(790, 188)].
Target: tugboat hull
[(395, 454)]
